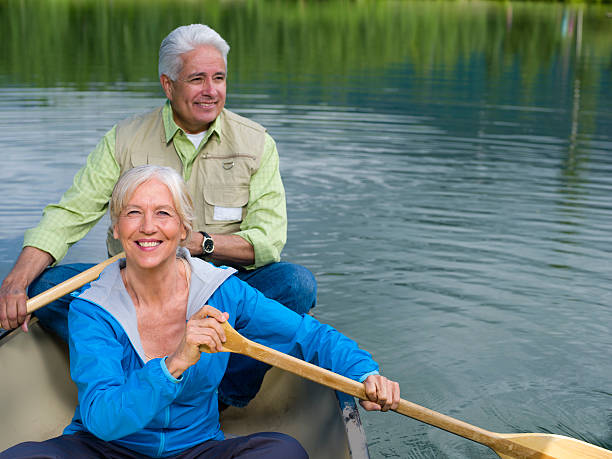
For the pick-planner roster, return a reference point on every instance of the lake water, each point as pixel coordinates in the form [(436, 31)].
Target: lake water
[(448, 169)]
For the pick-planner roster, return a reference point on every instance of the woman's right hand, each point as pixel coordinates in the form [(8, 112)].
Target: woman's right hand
[(204, 327)]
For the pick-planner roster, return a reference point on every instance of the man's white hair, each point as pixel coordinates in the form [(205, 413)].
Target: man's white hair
[(184, 39)]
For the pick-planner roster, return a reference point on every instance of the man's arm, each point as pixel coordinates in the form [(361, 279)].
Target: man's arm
[(263, 231), (265, 223), (63, 224), (230, 249), (81, 206), (13, 291)]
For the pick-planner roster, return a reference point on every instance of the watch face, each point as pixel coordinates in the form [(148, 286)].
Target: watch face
[(208, 245)]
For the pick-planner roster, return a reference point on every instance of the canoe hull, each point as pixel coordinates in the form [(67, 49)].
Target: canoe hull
[(36, 387)]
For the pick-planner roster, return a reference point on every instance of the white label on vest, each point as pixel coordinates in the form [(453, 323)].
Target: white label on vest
[(227, 213)]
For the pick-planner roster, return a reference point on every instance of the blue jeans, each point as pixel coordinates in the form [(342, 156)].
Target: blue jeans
[(291, 285)]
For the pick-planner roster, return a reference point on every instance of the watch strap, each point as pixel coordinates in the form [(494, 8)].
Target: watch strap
[(208, 246)]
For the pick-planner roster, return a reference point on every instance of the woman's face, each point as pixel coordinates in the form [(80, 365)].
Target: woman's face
[(149, 226)]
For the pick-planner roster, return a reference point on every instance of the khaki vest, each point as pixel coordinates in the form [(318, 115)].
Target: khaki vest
[(221, 172)]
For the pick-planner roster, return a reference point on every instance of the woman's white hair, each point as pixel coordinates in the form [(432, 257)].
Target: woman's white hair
[(133, 178), (184, 39)]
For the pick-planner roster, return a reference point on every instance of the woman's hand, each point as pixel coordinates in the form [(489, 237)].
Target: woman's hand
[(203, 328), (383, 394)]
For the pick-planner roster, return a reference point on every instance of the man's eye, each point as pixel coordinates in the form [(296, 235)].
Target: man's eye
[(196, 80)]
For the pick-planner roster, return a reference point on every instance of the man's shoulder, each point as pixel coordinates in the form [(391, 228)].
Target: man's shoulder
[(140, 119), (233, 118)]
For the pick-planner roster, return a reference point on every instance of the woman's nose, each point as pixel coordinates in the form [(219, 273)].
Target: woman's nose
[(147, 224)]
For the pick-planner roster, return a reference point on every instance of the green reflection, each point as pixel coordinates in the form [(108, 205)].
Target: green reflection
[(82, 43)]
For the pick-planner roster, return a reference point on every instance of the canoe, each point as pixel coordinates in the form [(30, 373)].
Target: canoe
[(38, 399)]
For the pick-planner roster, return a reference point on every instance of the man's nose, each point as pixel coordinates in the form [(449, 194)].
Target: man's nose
[(207, 85)]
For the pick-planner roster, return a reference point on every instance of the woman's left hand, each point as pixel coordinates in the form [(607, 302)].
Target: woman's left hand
[(383, 394)]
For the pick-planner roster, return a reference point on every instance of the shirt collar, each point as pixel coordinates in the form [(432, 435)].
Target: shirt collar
[(172, 128)]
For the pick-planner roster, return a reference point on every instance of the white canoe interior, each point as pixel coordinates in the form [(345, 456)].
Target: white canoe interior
[(38, 399)]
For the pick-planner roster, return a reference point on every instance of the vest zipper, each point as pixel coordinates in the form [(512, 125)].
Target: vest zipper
[(229, 157)]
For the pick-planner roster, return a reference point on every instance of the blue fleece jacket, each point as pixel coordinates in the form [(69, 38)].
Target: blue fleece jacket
[(140, 405)]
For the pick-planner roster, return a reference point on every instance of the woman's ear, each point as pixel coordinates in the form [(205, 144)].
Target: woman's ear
[(184, 233), (115, 232)]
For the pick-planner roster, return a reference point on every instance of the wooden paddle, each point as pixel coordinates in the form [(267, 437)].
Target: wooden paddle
[(522, 446), (69, 285)]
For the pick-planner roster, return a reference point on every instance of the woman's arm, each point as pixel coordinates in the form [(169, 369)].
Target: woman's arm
[(113, 402), (272, 324)]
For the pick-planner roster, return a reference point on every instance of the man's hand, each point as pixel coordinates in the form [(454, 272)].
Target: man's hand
[(13, 291), (383, 393), (13, 299)]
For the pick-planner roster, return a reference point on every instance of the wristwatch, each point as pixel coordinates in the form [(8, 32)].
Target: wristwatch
[(207, 244)]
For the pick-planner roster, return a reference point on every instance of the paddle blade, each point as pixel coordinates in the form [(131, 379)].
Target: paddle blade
[(556, 447)]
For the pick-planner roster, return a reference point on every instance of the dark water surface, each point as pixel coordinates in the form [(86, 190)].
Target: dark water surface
[(448, 169)]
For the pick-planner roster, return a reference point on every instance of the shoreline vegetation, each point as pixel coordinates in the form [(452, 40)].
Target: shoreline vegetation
[(320, 51), (97, 44)]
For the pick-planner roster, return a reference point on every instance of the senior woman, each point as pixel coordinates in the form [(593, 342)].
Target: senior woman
[(144, 388)]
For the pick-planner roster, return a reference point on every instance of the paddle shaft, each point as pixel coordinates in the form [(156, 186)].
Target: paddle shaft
[(356, 389), (69, 285)]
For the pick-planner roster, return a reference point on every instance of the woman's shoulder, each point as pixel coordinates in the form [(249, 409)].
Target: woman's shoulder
[(85, 315), (99, 290)]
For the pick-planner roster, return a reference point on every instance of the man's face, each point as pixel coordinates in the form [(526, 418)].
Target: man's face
[(198, 94)]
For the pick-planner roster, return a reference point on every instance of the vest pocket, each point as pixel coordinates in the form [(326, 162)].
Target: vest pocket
[(225, 204), (167, 158)]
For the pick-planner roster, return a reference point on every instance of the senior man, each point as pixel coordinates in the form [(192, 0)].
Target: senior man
[(231, 166)]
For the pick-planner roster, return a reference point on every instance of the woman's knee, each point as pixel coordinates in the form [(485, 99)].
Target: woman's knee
[(281, 446), (39, 450)]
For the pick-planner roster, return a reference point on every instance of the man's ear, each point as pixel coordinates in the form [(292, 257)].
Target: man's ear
[(166, 84)]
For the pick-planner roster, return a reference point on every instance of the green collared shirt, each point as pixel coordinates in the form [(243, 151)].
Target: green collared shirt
[(86, 201)]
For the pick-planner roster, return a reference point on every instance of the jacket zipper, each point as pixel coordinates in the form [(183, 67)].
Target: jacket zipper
[(162, 433)]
